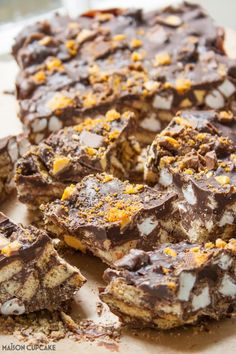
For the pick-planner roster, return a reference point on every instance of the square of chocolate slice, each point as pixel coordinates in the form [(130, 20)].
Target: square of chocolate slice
[(95, 145), (173, 285), (196, 154), (154, 63), (32, 275), (11, 148), (108, 217)]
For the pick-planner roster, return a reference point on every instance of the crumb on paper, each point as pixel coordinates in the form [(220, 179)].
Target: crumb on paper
[(44, 327)]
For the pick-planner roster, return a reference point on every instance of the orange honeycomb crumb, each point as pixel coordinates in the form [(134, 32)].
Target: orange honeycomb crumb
[(91, 151), (171, 285), (59, 101), (166, 160), (54, 64), (188, 171), (67, 192), (114, 135), (122, 212), (112, 115), (201, 136), (135, 56), (136, 43), (119, 37), (225, 116), (182, 85), (74, 243), (220, 243), (59, 164), (209, 245), (162, 59), (39, 77), (107, 178), (89, 100), (223, 180), (11, 248), (182, 121), (71, 47), (165, 270), (173, 142), (200, 257), (232, 245), (115, 214), (133, 188), (169, 252), (195, 249)]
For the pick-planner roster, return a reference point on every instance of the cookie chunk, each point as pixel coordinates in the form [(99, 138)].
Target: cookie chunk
[(11, 148)]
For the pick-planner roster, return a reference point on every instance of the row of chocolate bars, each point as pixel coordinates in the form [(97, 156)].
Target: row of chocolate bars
[(149, 191)]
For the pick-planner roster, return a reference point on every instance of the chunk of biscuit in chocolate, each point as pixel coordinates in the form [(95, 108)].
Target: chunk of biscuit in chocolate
[(32, 275), (195, 155), (173, 285), (96, 145), (108, 217), (11, 148), (154, 63)]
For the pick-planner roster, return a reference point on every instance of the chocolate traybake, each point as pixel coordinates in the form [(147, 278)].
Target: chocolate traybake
[(11, 148), (153, 63), (173, 285), (196, 153), (108, 217), (95, 145), (32, 275)]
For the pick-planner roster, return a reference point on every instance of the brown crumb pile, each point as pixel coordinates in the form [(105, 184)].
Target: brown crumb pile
[(44, 327)]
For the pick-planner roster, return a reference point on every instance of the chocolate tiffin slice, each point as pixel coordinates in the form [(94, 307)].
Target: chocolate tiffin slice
[(173, 285), (108, 217), (105, 144), (32, 275)]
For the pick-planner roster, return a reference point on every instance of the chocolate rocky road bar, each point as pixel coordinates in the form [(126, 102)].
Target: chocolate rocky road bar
[(32, 275), (154, 63), (11, 148), (196, 154), (96, 145), (173, 285), (108, 217)]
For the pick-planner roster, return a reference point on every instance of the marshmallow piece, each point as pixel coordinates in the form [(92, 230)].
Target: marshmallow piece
[(12, 307)]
